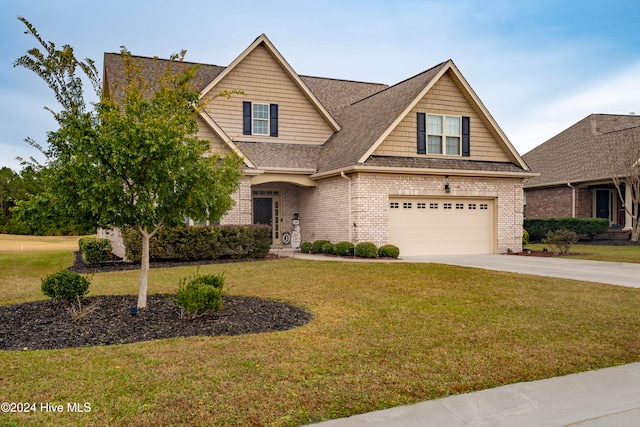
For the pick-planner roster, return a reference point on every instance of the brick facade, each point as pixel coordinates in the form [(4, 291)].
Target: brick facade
[(324, 209), (557, 202)]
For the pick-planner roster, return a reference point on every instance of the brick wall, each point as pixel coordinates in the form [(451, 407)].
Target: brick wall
[(324, 209), (325, 216), (557, 202)]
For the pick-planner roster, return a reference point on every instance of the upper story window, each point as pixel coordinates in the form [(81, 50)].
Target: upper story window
[(443, 134), (259, 119)]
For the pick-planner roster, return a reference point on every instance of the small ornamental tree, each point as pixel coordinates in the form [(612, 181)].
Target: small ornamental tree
[(132, 161)]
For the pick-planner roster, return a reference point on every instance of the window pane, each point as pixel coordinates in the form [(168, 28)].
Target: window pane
[(434, 125), (435, 144), (453, 126), (260, 111), (453, 145), (260, 127)]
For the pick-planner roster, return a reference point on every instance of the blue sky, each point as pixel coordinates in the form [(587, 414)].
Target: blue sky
[(538, 66)]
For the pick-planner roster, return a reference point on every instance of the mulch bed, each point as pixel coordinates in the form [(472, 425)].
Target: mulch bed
[(48, 324)]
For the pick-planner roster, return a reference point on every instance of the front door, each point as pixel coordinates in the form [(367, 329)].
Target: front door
[(603, 201)]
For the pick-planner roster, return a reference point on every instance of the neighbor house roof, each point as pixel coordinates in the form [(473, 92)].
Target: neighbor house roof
[(581, 153)]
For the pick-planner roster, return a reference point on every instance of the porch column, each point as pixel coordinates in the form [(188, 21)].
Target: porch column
[(628, 220)]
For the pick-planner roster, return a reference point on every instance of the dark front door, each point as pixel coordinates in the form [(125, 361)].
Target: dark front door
[(262, 211), (602, 204)]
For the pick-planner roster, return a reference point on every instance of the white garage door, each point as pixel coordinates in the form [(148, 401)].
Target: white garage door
[(442, 226)]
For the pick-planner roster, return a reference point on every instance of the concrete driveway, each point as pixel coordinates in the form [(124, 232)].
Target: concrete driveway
[(614, 273)]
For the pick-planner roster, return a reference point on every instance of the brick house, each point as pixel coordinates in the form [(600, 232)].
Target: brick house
[(576, 171), (420, 164)]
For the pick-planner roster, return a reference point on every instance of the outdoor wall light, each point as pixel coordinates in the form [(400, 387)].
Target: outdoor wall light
[(447, 188)]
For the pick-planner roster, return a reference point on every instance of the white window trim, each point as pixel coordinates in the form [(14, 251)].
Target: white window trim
[(443, 135), (254, 119)]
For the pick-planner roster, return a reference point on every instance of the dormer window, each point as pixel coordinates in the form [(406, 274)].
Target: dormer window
[(259, 119)]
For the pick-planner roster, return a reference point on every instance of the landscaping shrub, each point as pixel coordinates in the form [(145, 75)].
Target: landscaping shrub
[(366, 250), (525, 237), (561, 240), (65, 285), (343, 249), (95, 251), (198, 243), (305, 248), (201, 294), (327, 249), (316, 247), (389, 251), (539, 227)]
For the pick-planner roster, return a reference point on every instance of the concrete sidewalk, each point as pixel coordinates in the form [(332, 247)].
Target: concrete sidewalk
[(607, 397)]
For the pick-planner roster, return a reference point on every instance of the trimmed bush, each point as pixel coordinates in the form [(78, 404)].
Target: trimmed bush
[(198, 243), (306, 247), (65, 285), (201, 294), (525, 237), (95, 251), (316, 247), (366, 250), (539, 227), (343, 249), (561, 240), (327, 249), (389, 251)]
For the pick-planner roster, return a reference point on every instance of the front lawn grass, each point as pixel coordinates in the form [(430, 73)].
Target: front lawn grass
[(597, 252), (384, 334)]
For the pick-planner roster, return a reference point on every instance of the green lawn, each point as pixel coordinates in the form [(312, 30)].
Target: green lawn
[(598, 253), (384, 334)]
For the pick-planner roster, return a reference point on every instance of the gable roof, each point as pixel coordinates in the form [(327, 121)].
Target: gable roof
[(581, 152), (263, 40), (362, 115), (369, 121)]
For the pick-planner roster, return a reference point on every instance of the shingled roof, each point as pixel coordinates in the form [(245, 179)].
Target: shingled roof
[(581, 153), (366, 120)]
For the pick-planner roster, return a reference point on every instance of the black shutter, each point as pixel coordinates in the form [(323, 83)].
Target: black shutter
[(246, 118), (273, 119), (422, 133), (466, 146)]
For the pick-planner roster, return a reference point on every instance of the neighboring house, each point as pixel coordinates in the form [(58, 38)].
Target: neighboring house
[(576, 173), (421, 164)]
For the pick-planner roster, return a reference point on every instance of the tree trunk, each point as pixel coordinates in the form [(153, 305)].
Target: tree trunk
[(144, 268)]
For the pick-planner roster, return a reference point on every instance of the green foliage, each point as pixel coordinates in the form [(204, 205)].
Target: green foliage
[(561, 240), (306, 247), (199, 295), (366, 250), (389, 251), (343, 249), (132, 160), (198, 243), (316, 247), (65, 285), (95, 251), (539, 227), (327, 249), (525, 237)]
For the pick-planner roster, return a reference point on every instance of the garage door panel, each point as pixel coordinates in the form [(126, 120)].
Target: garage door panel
[(441, 226)]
